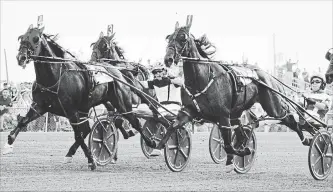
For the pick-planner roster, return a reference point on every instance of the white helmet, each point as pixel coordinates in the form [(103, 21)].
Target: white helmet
[(320, 76)]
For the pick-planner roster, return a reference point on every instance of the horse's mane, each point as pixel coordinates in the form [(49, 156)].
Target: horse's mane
[(57, 49), (204, 42), (120, 51)]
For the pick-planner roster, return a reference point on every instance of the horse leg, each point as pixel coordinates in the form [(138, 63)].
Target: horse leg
[(85, 130), (275, 106), (74, 120), (239, 132), (225, 128), (34, 112), (290, 122)]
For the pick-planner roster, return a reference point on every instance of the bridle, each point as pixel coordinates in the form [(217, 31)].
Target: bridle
[(178, 54), (27, 45)]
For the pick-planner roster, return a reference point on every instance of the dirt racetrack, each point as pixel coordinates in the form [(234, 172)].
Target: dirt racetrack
[(36, 164)]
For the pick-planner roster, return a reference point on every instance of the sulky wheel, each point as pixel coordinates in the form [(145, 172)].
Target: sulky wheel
[(320, 155), (103, 141), (155, 131), (216, 145), (244, 164), (177, 151)]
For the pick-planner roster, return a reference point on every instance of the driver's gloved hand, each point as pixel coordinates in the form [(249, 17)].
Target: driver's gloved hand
[(310, 101), (165, 81)]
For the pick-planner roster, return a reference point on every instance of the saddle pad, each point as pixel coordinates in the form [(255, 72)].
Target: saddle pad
[(98, 76), (244, 74), (144, 110)]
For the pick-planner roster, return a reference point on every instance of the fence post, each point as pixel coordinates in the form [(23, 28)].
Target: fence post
[(46, 121)]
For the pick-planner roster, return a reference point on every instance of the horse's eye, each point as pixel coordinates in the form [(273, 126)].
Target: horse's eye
[(35, 39), (183, 38)]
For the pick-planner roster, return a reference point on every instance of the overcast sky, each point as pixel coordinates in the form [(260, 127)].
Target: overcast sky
[(303, 29)]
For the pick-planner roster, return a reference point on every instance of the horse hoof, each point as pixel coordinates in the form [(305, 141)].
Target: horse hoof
[(247, 151), (307, 141), (156, 153), (68, 160), (7, 149), (92, 165), (11, 139), (229, 168), (113, 161)]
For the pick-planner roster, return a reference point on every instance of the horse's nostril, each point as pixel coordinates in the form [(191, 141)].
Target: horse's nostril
[(170, 60)]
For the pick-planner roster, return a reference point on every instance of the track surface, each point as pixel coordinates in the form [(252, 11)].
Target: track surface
[(37, 165)]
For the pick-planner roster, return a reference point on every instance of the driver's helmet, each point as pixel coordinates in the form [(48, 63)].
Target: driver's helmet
[(320, 76), (158, 68)]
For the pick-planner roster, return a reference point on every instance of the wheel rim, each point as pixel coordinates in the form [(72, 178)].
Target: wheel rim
[(155, 131), (178, 149), (216, 146), (320, 155), (103, 141), (244, 164)]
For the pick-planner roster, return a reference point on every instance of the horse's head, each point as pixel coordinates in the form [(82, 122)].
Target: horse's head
[(30, 44), (105, 47), (329, 72), (180, 43)]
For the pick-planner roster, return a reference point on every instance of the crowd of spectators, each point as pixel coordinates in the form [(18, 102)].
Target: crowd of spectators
[(10, 96)]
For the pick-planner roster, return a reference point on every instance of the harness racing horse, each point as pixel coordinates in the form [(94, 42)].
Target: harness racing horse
[(106, 48), (213, 95), (62, 87)]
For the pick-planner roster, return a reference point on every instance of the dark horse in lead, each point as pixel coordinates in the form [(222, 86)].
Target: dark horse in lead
[(220, 103), (63, 88)]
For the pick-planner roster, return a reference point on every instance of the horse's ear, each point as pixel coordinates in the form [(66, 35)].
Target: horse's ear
[(30, 27), (176, 26), (189, 21), (92, 44), (111, 37), (167, 37), (101, 35), (19, 37), (41, 30)]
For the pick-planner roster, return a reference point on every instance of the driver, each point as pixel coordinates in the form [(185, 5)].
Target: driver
[(317, 102), (167, 88)]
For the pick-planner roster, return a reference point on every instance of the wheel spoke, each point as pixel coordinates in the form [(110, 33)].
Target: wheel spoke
[(244, 162), (322, 165), (97, 140), (103, 126), (321, 153), (110, 135), (180, 135), (317, 160), (158, 139), (149, 131), (176, 157), (217, 146), (217, 140), (172, 146), (221, 151), (100, 152), (329, 155), (108, 149), (183, 153)]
